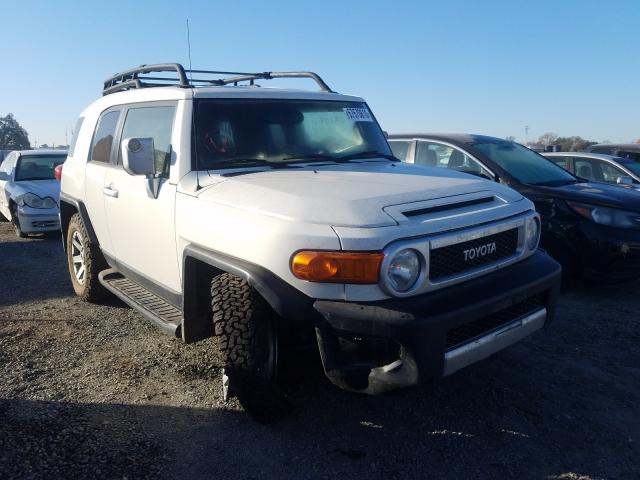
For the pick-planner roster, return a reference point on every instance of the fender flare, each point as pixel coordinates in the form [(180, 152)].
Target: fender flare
[(288, 302), (65, 202)]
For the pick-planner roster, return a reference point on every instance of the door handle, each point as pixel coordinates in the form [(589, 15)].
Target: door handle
[(110, 192)]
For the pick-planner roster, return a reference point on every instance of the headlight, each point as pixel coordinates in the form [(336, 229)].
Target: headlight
[(532, 233), (607, 216), (403, 270), (34, 201)]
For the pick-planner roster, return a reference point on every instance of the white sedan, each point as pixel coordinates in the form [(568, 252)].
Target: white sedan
[(29, 192)]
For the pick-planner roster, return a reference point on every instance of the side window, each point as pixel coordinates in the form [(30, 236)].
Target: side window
[(151, 122), (103, 137), (437, 155), (586, 168), (7, 164), (561, 161), (74, 137), (611, 173), (400, 148), (635, 156)]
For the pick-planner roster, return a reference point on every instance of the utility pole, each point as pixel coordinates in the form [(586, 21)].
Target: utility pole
[(526, 134)]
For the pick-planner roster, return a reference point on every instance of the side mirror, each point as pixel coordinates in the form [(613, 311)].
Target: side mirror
[(138, 156), (624, 180), (4, 177)]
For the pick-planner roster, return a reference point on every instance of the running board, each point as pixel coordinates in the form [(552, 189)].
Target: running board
[(154, 308)]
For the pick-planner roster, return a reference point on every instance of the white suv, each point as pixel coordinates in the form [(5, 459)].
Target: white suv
[(271, 217)]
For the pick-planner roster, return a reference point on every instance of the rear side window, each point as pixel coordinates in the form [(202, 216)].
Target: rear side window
[(103, 137), (635, 156), (152, 122), (74, 137)]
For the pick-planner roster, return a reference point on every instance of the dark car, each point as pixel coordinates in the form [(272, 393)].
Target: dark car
[(597, 167), (624, 150), (593, 229)]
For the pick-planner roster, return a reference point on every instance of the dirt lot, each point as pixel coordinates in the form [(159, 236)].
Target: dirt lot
[(90, 391)]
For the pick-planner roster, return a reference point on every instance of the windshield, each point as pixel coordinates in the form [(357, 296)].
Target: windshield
[(524, 164), (630, 165), (246, 132), (37, 167)]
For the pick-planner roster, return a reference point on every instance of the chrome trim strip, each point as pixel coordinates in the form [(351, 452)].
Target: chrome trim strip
[(495, 341)]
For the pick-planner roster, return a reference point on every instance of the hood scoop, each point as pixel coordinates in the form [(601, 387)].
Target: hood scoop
[(446, 207)]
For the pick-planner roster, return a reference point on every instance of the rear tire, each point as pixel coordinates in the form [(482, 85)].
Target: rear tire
[(85, 262), (246, 329)]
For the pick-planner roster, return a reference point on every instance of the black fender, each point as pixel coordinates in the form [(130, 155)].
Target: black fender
[(200, 265), (68, 207)]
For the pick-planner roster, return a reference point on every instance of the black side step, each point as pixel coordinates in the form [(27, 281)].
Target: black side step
[(154, 308)]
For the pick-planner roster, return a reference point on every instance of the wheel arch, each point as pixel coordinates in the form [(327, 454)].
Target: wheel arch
[(68, 207), (201, 265)]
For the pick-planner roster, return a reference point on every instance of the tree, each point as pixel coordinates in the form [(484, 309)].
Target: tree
[(510, 138), (548, 139), (12, 135)]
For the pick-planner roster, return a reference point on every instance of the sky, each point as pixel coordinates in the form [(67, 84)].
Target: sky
[(492, 67)]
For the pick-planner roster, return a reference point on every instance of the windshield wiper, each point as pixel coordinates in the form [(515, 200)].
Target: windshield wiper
[(343, 158), (312, 156), (244, 162), (370, 154), (555, 183)]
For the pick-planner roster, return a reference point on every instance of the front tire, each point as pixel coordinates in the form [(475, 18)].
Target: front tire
[(246, 328), (84, 261), (15, 221)]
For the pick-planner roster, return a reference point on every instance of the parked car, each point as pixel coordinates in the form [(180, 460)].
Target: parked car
[(593, 229), (624, 150), (597, 167), (273, 218), (29, 193)]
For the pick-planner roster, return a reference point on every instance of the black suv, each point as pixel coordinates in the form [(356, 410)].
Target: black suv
[(624, 150), (593, 229)]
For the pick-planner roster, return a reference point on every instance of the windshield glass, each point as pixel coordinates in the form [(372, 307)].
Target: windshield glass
[(37, 167), (524, 164), (630, 165), (246, 132)]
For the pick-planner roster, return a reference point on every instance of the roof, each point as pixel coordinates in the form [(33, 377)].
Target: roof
[(466, 138), (630, 146), (43, 151), (602, 156)]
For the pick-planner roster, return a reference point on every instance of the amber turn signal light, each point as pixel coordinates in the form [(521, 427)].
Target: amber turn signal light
[(337, 267)]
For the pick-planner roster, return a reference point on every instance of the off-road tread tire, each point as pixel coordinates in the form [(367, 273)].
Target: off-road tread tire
[(92, 291), (242, 319)]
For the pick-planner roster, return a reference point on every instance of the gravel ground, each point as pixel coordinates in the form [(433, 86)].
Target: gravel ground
[(96, 391)]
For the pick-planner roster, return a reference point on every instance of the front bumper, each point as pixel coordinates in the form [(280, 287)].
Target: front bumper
[(372, 347), (34, 220), (610, 254)]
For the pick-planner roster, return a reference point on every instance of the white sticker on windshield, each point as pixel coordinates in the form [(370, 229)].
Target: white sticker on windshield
[(358, 114)]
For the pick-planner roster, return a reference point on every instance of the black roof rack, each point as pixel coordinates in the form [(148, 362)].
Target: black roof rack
[(138, 78)]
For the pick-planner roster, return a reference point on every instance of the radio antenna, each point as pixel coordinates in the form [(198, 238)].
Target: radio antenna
[(189, 49)]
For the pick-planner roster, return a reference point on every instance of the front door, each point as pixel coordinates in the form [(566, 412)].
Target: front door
[(142, 226)]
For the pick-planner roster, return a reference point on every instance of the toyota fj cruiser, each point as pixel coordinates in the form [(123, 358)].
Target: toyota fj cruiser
[(267, 217)]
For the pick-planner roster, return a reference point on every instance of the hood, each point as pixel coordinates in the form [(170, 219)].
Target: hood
[(349, 195), (42, 188), (595, 194)]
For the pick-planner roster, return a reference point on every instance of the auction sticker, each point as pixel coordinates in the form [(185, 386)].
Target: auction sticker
[(358, 114)]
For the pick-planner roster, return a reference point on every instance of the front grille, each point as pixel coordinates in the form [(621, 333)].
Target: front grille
[(451, 260), (470, 331)]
